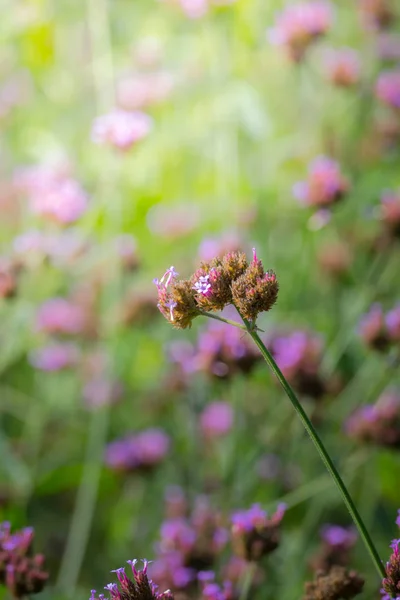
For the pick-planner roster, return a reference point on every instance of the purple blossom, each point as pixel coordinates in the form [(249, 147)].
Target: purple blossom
[(335, 535), (324, 186), (121, 129), (55, 357), (141, 451), (59, 315), (392, 320), (387, 88), (216, 419), (203, 285), (343, 67)]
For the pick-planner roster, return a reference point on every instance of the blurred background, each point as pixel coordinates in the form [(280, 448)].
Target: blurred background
[(138, 135)]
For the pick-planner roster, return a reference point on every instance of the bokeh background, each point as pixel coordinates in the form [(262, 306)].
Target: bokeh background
[(227, 107)]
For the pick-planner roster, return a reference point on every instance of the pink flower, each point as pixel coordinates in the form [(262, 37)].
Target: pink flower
[(324, 186), (121, 129), (144, 89), (387, 88), (216, 419), (59, 315), (141, 451), (390, 210), (298, 25), (343, 67), (55, 357), (393, 324)]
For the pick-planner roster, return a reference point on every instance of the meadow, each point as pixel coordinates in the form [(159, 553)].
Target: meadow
[(254, 146)]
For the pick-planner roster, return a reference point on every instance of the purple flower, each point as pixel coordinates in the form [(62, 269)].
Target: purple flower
[(343, 67), (121, 129), (254, 534), (299, 25), (55, 357), (59, 315), (142, 451), (325, 184), (203, 285), (387, 88), (393, 324), (372, 327), (335, 535), (216, 419)]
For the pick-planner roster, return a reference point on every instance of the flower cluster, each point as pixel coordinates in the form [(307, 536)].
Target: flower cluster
[(379, 330), (254, 534), (140, 587), (378, 423), (391, 583), (220, 352), (216, 284), (336, 584), (343, 67), (299, 25), (388, 88), (20, 570), (337, 542), (324, 186), (138, 452), (52, 193)]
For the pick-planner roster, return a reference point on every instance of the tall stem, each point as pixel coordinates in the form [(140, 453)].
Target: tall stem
[(326, 459)]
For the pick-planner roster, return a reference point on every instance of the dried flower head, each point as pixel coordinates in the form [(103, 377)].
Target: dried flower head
[(254, 534), (391, 583), (337, 584), (176, 300), (255, 291), (140, 587), (337, 541), (20, 570)]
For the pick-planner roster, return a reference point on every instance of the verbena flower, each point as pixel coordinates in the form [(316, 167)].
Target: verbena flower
[(21, 571), (121, 129), (377, 14), (299, 25), (142, 451), (391, 583), (136, 587), (343, 67), (216, 419), (337, 541), (56, 356), (372, 328), (60, 316), (325, 184), (142, 90), (378, 423), (387, 88), (254, 534), (336, 584)]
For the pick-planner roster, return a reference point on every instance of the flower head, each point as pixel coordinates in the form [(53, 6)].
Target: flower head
[(138, 452), (391, 583), (387, 88), (335, 584), (343, 67), (254, 534), (324, 186), (121, 129)]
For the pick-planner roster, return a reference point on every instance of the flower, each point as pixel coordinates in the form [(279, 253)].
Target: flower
[(21, 571), (392, 321), (142, 451), (335, 584), (378, 423), (391, 583), (254, 534), (387, 88), (372, 328), (55, 357), (299, 25), (377, 14), (337, 541), (390, 211), (140, 587), (216, 419), (343, 67), (142, 90), (324, 186), (59, 315), (121, 129)]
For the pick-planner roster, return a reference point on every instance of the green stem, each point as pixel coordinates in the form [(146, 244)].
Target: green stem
[(326, 459)]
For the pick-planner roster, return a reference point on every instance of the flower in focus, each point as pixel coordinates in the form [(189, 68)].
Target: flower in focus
[(335, 584), (55, 357), (387, 88), (60, 316), (337, 542), (138, 452), (299, 25), (121, 129), (140, 587), (378, 423), (216, 419), (343, 67), (325, 184), (52, 193), (21, 571), (254, 534), (391, 583)]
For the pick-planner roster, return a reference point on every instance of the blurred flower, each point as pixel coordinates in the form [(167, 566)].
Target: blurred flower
[(172, 221), (298, 355), (8, 278), (210, 247), (254, 534), (388, 46), (101, 391), (337, 542), (21, 571), (392, 321), (377, 14), (195, 9), (52, 193), (210, 590), (324, 186), (143, 90), (378, 423), (391, 583), (121, 129), (335, 584), (55, 357), (140, 587), (387, 88), (216, 419), (142, 451), (390, 211), (299, 25), (148, 52), (372, 329), (343, 67), (175, 502), (61, 316), (335, 259), (126, 247)]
